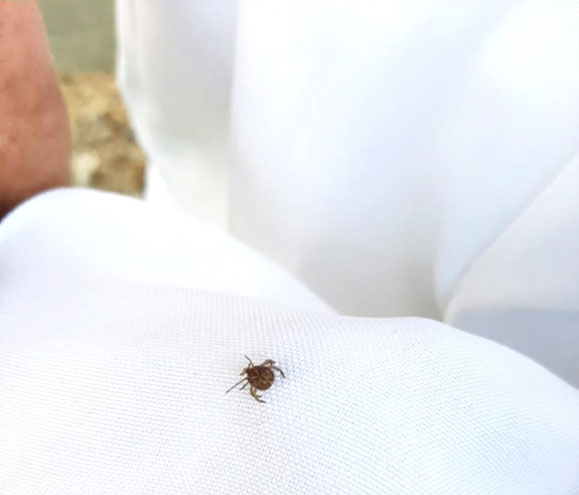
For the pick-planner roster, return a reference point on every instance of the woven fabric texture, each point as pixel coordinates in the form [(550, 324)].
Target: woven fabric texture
[(108, 388)]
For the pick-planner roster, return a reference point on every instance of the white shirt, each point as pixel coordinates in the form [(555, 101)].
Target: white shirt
[(397, 158)]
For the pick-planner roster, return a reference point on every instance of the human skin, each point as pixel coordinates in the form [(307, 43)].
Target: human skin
[(34, 133)]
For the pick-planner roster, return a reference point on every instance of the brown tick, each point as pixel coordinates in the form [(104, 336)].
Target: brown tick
[(259, 377)]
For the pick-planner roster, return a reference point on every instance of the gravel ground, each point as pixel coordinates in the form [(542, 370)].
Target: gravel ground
[(105, 154)]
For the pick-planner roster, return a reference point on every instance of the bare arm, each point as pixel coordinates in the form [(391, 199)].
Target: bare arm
[(34, 135)]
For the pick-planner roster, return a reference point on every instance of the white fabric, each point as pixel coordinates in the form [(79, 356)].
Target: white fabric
[(524, 290), (175, 67), (399, 158), (111, 237), (384, 144), (117, 387)]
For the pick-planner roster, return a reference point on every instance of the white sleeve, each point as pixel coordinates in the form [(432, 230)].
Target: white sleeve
[(381, 148), (395, 158), (418, 158), (523, 291), (507, 262)]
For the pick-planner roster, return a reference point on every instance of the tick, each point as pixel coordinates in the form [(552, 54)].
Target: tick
[(259, 377)]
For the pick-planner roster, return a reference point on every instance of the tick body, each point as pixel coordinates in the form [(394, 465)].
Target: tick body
[(259, 377)]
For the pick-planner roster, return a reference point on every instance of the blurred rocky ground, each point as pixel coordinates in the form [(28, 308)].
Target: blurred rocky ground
[(105, 154)]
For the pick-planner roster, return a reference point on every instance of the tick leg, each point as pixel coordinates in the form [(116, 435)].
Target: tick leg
[(253, 392), (250, 361), (239, 382), (246, 384), (277, 369)]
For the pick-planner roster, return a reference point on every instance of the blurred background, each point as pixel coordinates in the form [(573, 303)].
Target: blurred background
[(105, 154)]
